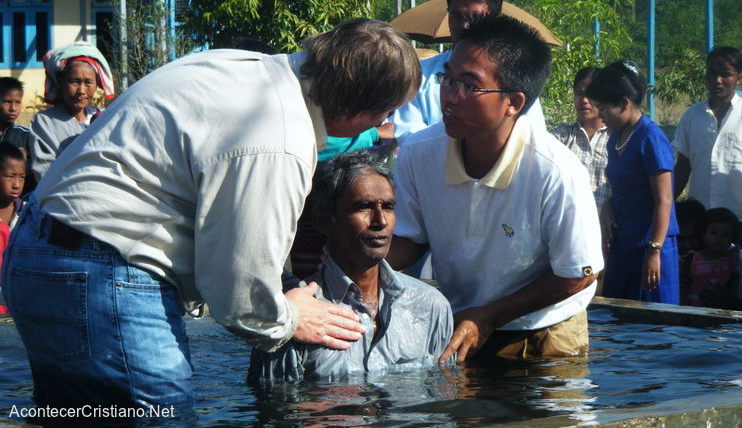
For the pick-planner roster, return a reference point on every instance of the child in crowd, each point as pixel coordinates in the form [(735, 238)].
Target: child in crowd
[(690, 214), (12, 179), (712, 271), (11, 96)]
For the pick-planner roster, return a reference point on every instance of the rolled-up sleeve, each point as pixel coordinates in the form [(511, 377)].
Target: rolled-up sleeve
[(285, 364), (570, 226), (248, 207)]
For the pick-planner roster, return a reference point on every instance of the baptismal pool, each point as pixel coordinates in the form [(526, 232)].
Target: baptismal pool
[(633, 370)]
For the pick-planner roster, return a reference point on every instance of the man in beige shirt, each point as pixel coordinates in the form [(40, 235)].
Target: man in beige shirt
[(188, 190)]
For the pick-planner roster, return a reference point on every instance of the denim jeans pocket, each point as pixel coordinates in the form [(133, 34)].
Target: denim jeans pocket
[(50, 312), (148, 299)]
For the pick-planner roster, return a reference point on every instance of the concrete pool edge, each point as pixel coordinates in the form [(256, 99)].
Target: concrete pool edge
[(726, 411), (662, 313)]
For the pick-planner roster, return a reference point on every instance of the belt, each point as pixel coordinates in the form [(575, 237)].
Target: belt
[(64, 236)]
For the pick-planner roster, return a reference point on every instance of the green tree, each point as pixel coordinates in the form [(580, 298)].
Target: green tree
[(281, 23), (680, 44), (572, 22), (148, 41), (681, 81)]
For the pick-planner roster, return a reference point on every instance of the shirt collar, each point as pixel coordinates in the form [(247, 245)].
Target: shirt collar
[(601, 129), (500, 176), (735, 102), (296, 60), (336, 283)]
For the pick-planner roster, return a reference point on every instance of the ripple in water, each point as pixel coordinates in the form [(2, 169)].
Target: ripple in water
[(631, 366)]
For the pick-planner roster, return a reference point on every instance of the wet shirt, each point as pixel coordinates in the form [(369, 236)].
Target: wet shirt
[(414, 324)]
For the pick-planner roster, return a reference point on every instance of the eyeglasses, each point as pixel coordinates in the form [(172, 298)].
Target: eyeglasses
[(463, 89)]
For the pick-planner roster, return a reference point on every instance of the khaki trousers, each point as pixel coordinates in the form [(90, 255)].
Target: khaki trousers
[(568, 338)]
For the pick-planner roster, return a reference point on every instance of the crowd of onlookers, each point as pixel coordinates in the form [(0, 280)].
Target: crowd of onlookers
[(700, 267), (703, 267)]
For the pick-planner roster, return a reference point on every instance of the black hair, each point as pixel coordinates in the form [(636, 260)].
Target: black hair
[(722, 54), (8, 84), (9, 151), (615, 81), (522, 58), (722, 215), (584, 73), (335, 175), (494, 7), (690, 211)]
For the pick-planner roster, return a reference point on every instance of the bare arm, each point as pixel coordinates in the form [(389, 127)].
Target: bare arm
[(474, 326), (682, 173), (661, 185), (404, 252)]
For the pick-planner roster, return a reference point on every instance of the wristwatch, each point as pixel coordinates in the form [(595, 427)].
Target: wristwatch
[(654, 245)]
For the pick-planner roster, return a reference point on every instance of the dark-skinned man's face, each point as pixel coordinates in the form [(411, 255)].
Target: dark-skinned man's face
[(363, 222)]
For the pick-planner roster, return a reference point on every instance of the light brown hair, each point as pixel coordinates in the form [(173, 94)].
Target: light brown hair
[(359, 65)]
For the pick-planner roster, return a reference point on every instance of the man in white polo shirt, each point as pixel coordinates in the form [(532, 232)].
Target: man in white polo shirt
[(506, 210)]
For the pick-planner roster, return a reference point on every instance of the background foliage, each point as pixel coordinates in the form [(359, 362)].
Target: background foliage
[(572, 22), (680, 36), (282, 24)]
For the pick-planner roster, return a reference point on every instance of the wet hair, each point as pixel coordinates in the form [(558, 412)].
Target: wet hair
[(615, 81), (8, 84), (722, 215), (690, 211), (522, 59), (361, 65), (494, 7), (335, 175), (584, 73), (722, 54), (9, 151)]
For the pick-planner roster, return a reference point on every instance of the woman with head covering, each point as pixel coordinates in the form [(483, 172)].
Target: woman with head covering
[(73, 75)]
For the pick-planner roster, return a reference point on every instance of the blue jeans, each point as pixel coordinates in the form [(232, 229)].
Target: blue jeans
[(97, 330)]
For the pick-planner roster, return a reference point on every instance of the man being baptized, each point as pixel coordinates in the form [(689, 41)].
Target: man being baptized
[(408, 323)]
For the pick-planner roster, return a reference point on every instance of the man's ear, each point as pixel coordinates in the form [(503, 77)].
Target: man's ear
[(517, 101)]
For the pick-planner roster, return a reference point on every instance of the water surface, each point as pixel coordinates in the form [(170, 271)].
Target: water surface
[(631, 366)]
